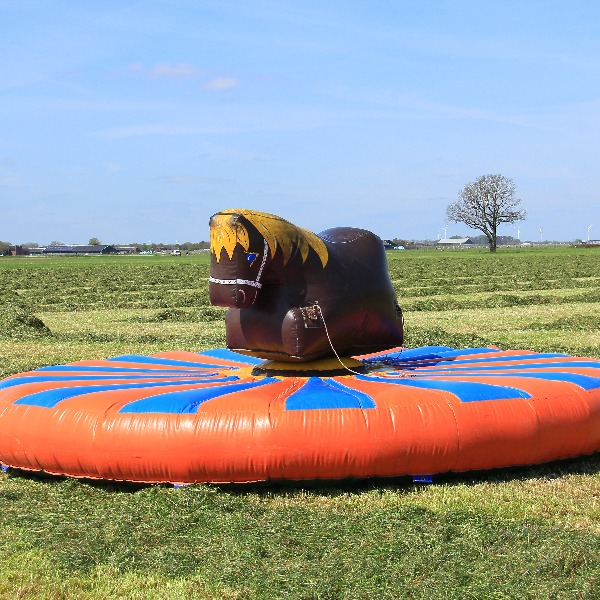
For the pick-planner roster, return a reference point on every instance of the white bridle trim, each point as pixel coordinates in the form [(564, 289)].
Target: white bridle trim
[(256, 283)]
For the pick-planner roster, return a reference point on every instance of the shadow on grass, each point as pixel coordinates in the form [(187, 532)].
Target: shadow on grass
[(582, 465), (104, 484)]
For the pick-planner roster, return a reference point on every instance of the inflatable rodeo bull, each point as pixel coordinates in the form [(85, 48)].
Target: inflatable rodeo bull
[(296, 296)]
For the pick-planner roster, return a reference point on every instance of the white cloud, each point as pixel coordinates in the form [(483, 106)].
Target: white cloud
[(165, 70), (221, 83), (175, 70)]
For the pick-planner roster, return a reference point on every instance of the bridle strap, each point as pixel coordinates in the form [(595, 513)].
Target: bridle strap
[(256, 283)]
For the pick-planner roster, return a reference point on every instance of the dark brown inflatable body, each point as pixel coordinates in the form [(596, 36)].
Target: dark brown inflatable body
[(293, 294)]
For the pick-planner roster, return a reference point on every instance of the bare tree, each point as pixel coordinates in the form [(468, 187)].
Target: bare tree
[(485, 203)]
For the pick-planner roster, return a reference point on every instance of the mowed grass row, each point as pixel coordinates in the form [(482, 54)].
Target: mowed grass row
[(533, 299), (523, 533)]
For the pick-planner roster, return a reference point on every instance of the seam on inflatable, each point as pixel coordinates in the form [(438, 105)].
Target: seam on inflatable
[(283, 395), (358, 399), (458, 439), (297, 338), (537, 424), (360, 233)]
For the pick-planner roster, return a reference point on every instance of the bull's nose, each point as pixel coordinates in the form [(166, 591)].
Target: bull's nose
[(222, 294), (246, 296), (231, 295)]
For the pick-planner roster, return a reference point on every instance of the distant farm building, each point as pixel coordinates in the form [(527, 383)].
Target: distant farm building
[(87, 249), (455, 242), (391, 245), (19, 251), (127, 249)]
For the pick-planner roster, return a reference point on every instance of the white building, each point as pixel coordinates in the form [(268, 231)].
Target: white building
[(455, 242)]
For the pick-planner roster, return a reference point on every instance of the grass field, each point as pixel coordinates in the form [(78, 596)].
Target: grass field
[(521, 533)]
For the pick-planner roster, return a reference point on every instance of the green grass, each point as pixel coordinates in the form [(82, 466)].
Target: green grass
[(524, 533)]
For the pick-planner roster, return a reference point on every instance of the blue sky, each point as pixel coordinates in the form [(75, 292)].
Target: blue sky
[(135, 121)]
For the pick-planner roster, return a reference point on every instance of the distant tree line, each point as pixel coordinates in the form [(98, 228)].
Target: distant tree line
[(185, 247), (6, 247), (501, 240)]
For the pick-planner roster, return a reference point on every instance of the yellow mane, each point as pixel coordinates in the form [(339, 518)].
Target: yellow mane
[(226, 231)]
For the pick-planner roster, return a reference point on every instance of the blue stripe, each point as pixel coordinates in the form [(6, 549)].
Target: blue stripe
[(188, 401), (227, 354), (427, 353), (508, 358), (50, 398), (466, 391), (423, 353), (407, 357), (152, 360), (8, 383), (583, 381), (100, 369), (411, 359), (470, 351), (484, 367), (317, 393), (433, 352)]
